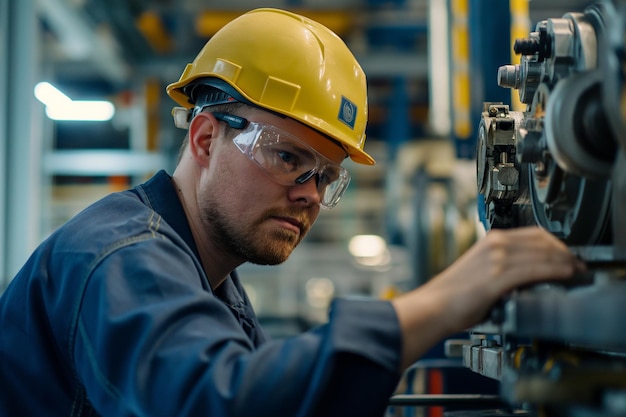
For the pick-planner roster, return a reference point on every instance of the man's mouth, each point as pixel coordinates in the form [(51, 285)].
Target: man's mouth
[(290, 223)]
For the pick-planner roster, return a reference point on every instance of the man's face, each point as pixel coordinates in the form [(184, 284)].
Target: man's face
[(248, 214)]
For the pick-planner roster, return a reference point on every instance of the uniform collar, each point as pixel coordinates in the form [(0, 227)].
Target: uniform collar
[(163, 198), (161, 192)]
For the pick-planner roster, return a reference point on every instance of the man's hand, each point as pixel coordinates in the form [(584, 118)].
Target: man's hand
[(461, 296)]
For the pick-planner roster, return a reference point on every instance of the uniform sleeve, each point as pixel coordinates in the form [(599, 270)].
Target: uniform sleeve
[(150, 341)]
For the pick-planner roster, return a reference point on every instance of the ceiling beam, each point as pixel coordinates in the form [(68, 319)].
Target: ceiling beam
[(81, 42)]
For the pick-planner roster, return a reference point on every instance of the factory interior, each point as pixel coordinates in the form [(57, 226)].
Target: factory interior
[(482, 114)]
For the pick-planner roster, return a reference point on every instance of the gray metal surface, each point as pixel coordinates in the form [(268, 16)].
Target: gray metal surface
[(591, 316), (484, 360), (21, 135), (561, 347)]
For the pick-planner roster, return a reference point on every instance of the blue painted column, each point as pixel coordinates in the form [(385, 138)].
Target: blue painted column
[(490, 48), (480, 43), (398, 131), (398, 121)]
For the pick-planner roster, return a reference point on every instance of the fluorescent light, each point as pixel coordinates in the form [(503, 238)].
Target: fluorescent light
[(367, 246), (82, 111), (369, 250), (60, 107), (50, 95)]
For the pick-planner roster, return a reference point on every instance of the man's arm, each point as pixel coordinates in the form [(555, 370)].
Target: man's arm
[(462, 295)]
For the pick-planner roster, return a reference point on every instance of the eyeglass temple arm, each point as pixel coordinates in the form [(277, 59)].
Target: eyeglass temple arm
[(236, 122)]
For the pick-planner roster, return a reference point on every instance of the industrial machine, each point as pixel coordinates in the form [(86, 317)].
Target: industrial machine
[(560, 349)]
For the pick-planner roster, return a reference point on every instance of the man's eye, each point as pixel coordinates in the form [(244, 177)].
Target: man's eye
[(287, 161), (287, 157)]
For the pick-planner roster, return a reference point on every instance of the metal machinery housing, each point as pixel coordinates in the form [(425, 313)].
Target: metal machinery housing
[(561, 163)]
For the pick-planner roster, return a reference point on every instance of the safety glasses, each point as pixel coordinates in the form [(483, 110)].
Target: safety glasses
[(288, 160)]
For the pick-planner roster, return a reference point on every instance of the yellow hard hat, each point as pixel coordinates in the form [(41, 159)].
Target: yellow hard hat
[(291, 65)]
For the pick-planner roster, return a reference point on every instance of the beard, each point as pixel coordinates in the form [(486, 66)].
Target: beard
[(247, 240)]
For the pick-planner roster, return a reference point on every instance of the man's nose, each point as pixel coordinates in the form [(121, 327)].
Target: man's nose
[(306, 191)]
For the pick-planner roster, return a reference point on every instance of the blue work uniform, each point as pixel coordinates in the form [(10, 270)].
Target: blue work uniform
[(113, 315)]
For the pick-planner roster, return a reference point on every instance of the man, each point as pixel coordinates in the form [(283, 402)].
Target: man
[(134, 308)]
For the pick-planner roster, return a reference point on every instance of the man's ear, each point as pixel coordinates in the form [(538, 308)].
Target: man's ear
[(202, 130)]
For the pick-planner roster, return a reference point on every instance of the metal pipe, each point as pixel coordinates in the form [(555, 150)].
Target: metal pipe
[(430, 400)]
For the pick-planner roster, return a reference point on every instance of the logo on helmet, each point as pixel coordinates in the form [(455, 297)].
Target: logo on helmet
[(347, 112)]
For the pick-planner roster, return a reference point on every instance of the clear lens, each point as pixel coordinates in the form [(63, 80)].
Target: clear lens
[(283, 158), (332, 182), (290, 161)]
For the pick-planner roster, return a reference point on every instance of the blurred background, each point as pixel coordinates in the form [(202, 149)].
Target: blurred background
[(430, 65)]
